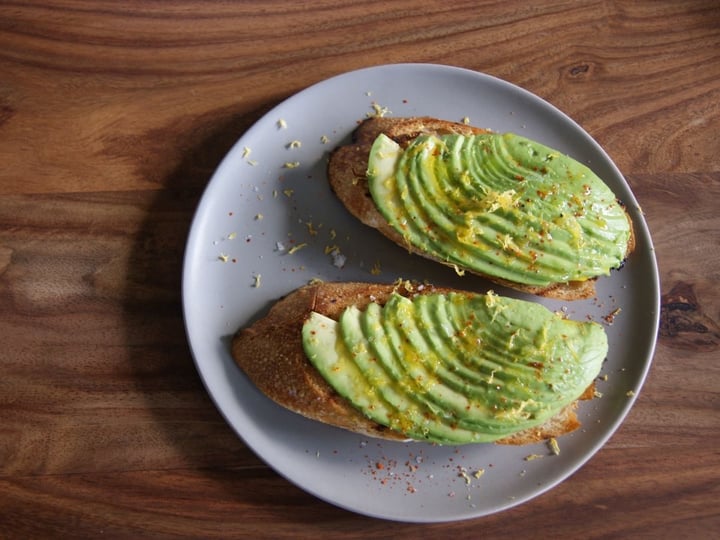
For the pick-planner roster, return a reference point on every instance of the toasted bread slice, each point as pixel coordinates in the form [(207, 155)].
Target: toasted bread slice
[(271, 354), (347, 170)]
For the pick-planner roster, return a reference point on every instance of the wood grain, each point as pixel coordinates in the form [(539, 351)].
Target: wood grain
[(113, 117)]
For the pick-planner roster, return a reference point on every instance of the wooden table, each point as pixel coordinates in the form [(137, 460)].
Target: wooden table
[(113, 116)]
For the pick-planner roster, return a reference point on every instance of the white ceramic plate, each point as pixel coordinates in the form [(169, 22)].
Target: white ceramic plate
[(239, 260)]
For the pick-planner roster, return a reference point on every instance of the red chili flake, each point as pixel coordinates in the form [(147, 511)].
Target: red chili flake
[(379, 466), (536, 365)]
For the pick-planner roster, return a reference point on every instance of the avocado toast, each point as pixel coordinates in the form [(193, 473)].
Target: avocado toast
[(498, 205), (415, 362)]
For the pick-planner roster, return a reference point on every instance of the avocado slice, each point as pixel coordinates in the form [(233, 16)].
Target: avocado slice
[(499, 204), (455, 368)]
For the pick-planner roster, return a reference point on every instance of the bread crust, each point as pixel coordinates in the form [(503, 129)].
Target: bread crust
[(271, 354), (347, 168)]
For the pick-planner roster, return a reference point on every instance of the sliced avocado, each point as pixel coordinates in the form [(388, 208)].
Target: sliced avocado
[(455, 368), (331, 358), (499, 204), (408, 415), (464, 403)]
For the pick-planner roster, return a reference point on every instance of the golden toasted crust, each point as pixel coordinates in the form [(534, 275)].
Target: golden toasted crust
[(271, 353), (347, 169)]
